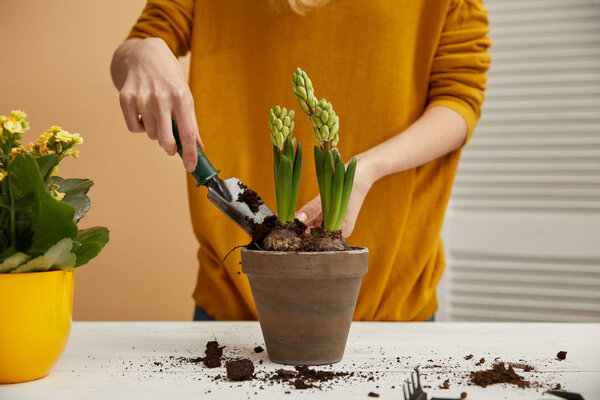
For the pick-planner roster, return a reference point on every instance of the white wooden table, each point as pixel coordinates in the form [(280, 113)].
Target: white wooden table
[(116, 360)]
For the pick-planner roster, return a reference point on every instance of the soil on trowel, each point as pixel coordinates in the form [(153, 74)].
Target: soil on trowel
[(240, 370), (321, 240), (250, 198), (499, 374), (214, 352)]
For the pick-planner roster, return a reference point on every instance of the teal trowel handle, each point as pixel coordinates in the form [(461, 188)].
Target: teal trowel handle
[(204, 170)]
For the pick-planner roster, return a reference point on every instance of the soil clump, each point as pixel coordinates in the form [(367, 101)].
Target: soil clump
[(250, 198), (561, 355), (499, 374), (240, 370), (213, 354)]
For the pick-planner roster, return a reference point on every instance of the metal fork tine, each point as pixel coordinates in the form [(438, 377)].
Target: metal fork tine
[(412, 378), (404, 391), (418, 377)]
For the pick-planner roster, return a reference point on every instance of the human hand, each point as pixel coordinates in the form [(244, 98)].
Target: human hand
[(312, 215), (153, 86)]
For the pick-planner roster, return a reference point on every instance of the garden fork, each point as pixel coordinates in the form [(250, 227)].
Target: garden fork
[(414, 391)]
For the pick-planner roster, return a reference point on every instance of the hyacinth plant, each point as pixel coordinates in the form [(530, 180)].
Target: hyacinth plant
[(334, 179), (287, 162), (39, 211)]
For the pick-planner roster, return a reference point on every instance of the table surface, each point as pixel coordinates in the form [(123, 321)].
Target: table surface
[(123, 360)]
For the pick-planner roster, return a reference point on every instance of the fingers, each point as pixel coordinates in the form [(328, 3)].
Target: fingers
[(130, 112), (166, 140), (311, 214), (188, 131)]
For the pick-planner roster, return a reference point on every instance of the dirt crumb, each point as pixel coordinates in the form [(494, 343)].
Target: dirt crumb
[(469, 357), (300, 384), (498, 374), (240, 370), (373, 394), (446, 384), (213, 354), (258, 349), (561, 355), (463, 395)]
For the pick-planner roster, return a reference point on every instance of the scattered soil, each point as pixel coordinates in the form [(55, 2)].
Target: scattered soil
[(480, 362), (240, 370), (446, 384), (213, 355), (304, 376), (250, 197), (499, 374), (557, 387), (373, 394), (300, 384), (258, 349), (524, 367), (463, 395), (273, 236), (561, 355), (320, 240), (469, 357)]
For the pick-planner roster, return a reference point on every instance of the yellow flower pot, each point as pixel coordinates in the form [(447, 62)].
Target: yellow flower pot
[(36, 310)]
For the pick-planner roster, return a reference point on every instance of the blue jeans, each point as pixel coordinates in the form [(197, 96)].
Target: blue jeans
[(201, 315)]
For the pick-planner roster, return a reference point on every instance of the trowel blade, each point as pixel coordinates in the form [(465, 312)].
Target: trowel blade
[(238, 211)]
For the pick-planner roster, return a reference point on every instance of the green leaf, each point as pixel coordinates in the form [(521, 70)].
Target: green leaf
[(51, 220), (284, 180), (347, 191), (319, 168), (297, 171), (288, 149), (12, 262), (91, 242), (327, 185), (46, 164), (336, 196), (58, 256), (75, 191), (24, 231)]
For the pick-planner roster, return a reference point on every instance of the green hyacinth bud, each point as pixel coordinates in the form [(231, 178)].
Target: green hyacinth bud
[(303, 91), (281, 124), (335, 140)]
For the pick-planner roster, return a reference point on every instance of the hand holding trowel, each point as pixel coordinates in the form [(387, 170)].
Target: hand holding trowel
[(224, 193)]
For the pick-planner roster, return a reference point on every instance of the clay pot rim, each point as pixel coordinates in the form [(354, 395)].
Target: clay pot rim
[(305, 265), (351, 250)]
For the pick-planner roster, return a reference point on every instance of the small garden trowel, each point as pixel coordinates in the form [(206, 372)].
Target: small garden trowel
[(224, 193)]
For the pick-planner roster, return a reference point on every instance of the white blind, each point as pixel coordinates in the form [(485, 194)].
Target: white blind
[(533, 165)]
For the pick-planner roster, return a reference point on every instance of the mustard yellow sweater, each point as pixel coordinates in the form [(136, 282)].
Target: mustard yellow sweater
[(381, 63)]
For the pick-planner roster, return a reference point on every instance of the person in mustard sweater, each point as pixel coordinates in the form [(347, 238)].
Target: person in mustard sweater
[(407, 80)]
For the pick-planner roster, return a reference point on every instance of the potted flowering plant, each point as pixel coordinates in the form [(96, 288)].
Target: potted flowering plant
[(40, 246), (305, 285)]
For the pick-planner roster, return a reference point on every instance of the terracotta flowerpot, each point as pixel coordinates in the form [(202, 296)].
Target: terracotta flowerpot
[(305, 301), (36, 310)]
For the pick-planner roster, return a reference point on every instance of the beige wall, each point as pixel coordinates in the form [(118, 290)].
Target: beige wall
[(55, 66)]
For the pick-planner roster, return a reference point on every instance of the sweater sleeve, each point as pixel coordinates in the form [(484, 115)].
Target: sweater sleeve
[(170, 20), (458, 72)]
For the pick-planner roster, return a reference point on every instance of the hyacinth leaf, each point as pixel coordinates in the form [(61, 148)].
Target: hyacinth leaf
[(346, 192), (91, 241), (327, 184), (319, 157), (284, 180), (297, 171), (337, 158), (288, 149), (336, 196)]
